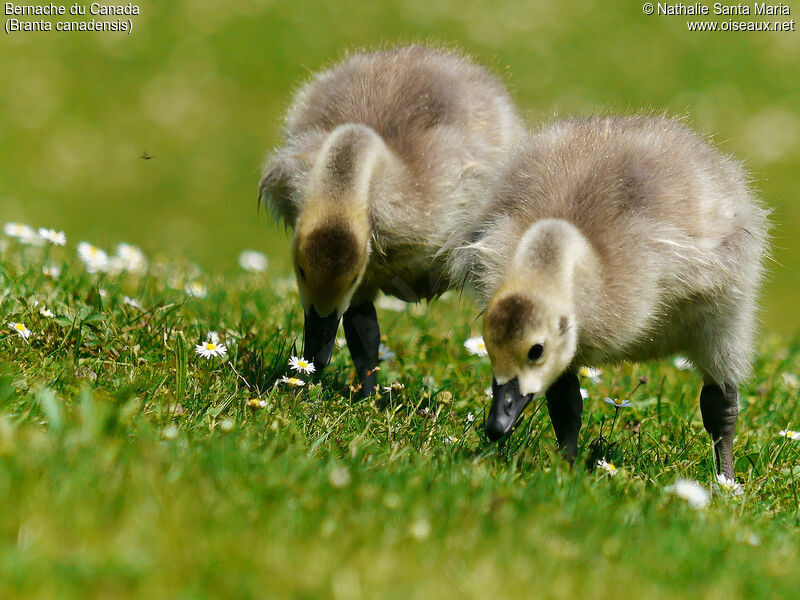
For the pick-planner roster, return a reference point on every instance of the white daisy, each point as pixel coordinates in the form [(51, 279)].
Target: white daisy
[(340, 477), (51, 271), (790, 434), (20, 330), (24, 233), (391, 303), (209, 349), (18, 230), (584, 393), (253, 261), (476, 345), (608, 467), (292, 381), (617, 403), (257, 403), (691, 491), (133, 302), (195, 289), (729, 485), (488, 392), (790, 380), (591, 374), (128, 258), (46, 312), (301, 365), (384, 353), (470, 417), (213, 337), (57, 238), (95, 259), (683, 363), (449, 440)]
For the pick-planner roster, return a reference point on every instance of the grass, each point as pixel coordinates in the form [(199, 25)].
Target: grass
[(130, 467)]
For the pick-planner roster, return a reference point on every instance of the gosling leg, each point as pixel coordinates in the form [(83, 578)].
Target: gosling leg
[(720, 409), (363, 338), (565, 405)]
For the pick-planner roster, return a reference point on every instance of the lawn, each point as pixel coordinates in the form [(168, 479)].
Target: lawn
[(133, 467)]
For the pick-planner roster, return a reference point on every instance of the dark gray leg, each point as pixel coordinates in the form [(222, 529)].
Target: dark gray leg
[(565, 405), (719, 409), (363, 338)]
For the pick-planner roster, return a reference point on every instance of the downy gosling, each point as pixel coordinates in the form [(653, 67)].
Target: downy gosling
[(610, 239), (380, 154)]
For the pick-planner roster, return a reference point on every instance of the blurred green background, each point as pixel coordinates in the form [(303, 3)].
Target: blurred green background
[(202, 85)]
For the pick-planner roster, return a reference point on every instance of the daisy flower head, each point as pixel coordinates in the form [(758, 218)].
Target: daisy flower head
[(57, 238), (254, 262), (729, 486), (95, 259), (46, 312), (790, 434), (384, 353), (591, 374), (470, 417), (292, 381), (20, 329), (132, 302), (608, 467), (129, 258), (24, 233), (682, 363), (476, 345), (213, 337), (790, 380), (195, 289), (209, 349), (390, 303), (617, 403), (51, 271), (257, 403), (301, 365), (691, 491)]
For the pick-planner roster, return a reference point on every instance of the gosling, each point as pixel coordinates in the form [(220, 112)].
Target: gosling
[(610, 239), (380, 154)]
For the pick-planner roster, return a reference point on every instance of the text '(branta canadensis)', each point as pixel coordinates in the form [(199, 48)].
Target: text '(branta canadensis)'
[(381, 153), (612, 239)]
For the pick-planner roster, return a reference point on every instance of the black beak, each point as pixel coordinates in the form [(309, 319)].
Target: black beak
[(507, 405), (319, 337)]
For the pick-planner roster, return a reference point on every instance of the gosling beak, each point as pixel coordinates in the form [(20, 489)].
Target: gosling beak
[(507, 405), (319, 337)]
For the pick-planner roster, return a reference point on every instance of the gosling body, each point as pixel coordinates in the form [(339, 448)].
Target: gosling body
[(612, 239), (380, 154)]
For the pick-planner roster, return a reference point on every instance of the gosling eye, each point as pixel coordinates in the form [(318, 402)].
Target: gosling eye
[(302, 272), (536, 351)]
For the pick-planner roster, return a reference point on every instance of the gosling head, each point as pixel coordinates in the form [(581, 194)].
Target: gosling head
[(531, 340), (330, 259)]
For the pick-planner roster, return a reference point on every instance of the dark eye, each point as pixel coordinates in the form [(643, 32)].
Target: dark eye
[(536, 351)]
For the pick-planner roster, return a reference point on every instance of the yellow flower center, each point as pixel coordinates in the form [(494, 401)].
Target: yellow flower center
[(302, 364), (19, 327), (210, 346)]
